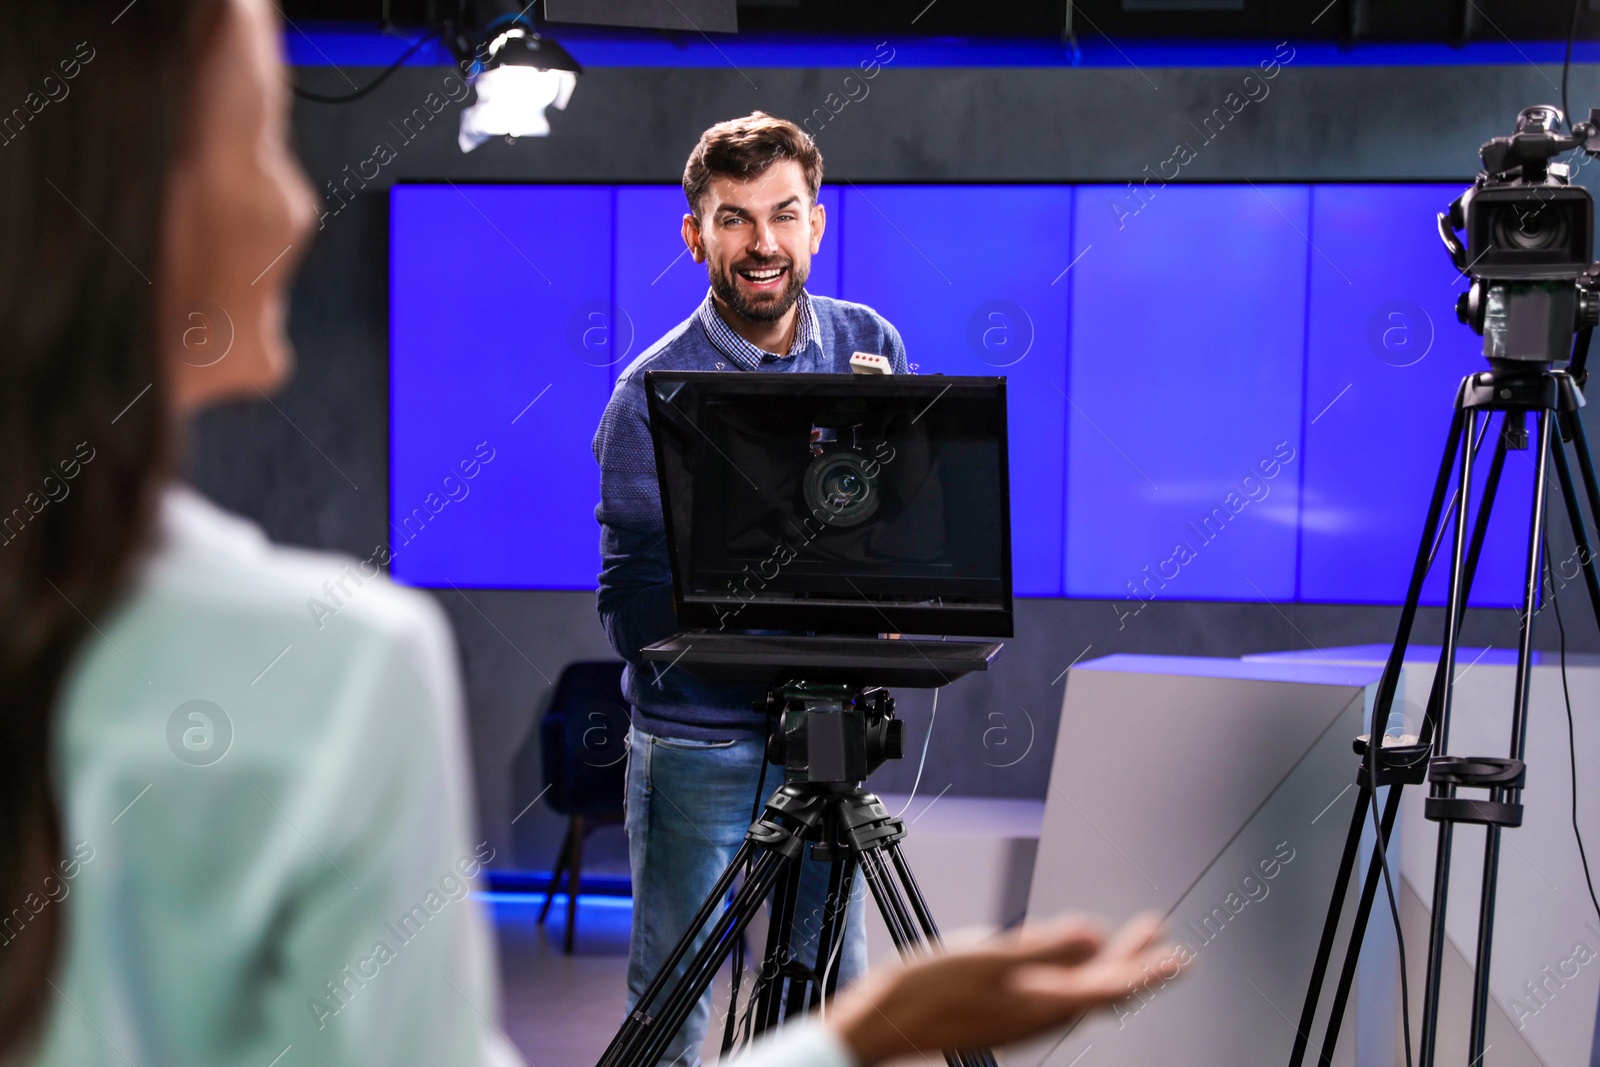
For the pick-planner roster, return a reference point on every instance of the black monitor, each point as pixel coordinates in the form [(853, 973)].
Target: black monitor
[(833, 503)]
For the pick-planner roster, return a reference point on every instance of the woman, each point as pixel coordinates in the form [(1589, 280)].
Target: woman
[(228, 835), (228, 860)]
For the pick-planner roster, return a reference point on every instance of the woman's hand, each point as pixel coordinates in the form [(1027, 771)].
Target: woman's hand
[(999, 991)]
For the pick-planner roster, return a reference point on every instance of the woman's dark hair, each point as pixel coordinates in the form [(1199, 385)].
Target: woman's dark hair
[(94, 101)]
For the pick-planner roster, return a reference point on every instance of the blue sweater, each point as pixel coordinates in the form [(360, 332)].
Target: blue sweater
[(636, 578)]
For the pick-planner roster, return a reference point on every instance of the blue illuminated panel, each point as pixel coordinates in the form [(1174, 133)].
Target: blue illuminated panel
[(658, 285), (1225, 392), (968, 274), (1187, 351), (1384, 358), (489, 289)]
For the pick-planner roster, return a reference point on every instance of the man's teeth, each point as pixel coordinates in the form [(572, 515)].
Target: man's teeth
[(762, 275)]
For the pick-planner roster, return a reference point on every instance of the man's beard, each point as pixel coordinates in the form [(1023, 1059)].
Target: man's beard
[(768, 308)]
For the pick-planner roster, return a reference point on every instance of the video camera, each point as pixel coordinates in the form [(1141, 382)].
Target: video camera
[(1524, 234)]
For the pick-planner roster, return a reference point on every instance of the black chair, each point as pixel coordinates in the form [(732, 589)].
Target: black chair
[(583, 742)]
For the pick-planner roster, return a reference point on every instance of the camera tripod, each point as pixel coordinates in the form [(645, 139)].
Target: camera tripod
[(828, 738), (1552, 397)]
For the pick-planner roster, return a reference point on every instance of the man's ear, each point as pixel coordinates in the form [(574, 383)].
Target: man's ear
[(819, 223), (691, 238)]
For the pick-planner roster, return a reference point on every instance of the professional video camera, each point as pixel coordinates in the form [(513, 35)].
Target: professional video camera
[(1529, 237), (1524, 235)]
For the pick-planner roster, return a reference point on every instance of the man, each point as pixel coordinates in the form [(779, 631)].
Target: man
[(696, 748)]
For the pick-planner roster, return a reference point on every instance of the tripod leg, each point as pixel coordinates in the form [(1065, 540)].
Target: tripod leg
[(780, 926), (919, 904), (830, 938), (1571, 426), (897, 917), (1447, 665), (896, 888), (850, 882), (1580, 535), (804, 979), (1358, 930), (890, 905), (1391, 809), (1390, 681), (1591, 486), (655, 1032), (1480, 529), (1387, 687), (1330, 930), (708, 907), (1491, 853)]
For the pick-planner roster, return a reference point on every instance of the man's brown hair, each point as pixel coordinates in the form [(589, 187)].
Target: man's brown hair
[(743, 149)]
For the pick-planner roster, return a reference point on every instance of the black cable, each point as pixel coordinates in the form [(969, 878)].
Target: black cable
[(761, 785), (321, 98), (1374, 740), (1572, 754), (1566, 64)]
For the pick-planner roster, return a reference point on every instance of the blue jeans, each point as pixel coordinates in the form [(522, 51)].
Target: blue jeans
[(688, 807)]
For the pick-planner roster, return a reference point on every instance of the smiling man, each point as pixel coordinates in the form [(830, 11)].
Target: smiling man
[(696, 748)]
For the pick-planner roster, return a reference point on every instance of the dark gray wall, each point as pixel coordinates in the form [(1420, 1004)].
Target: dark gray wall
[(313, 470)]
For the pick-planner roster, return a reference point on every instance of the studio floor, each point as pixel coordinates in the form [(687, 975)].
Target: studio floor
[(973, 856), (560, 1010)]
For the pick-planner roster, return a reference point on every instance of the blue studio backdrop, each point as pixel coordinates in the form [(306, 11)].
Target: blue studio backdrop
[(1218, 392)]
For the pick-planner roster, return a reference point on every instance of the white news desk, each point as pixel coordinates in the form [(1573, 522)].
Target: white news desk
[(1212, 791), (1219, 792), (1544, 975)]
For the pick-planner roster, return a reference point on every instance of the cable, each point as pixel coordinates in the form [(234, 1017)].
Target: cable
[(833, 959), (1572, 754), (761, 785), (924, 760), (1566, 64), (321, 98), (1374, 741)]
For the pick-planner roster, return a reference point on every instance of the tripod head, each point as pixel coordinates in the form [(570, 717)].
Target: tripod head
[(831, 732)]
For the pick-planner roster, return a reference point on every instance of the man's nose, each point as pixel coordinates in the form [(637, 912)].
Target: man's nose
[(766, 240)]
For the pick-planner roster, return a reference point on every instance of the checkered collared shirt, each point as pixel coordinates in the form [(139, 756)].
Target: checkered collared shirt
[(747, 355)]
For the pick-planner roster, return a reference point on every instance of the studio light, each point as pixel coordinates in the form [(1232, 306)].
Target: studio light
[(517, 75)]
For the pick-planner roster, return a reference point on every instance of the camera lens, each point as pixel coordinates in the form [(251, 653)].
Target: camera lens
[(1525, 227), (840, 490)]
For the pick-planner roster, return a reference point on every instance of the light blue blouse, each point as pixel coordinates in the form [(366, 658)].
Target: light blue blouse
[(268, 820), (269, 846)]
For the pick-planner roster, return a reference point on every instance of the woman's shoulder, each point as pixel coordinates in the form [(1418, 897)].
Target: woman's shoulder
[(217, 613), (214, 561)]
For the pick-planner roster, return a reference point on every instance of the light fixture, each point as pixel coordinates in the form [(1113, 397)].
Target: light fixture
[(517, 75)]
